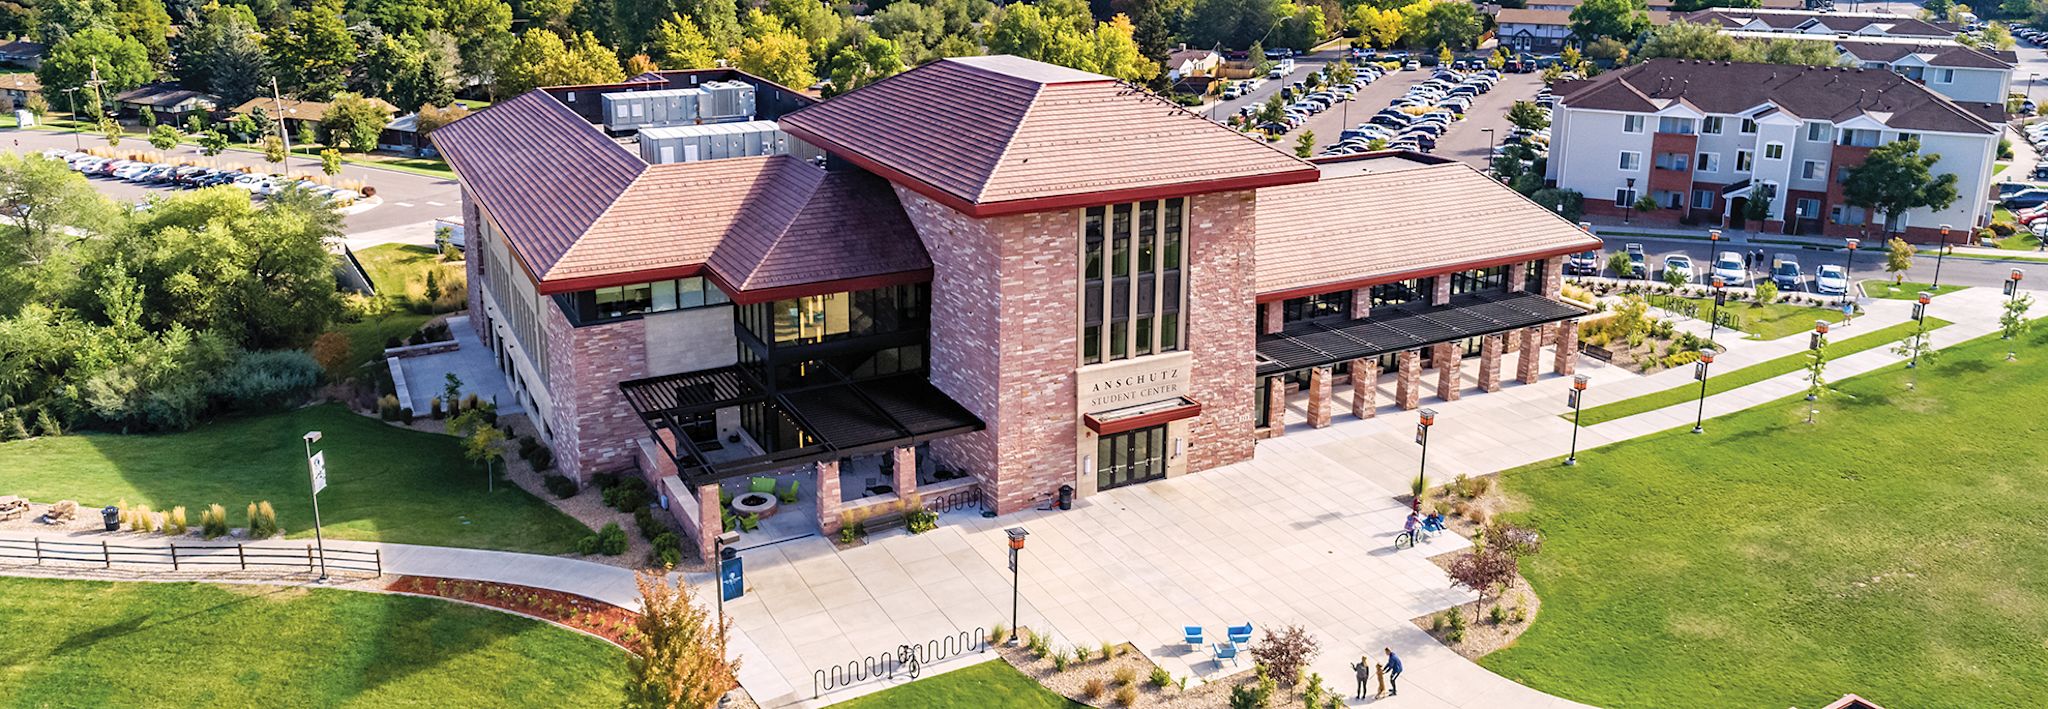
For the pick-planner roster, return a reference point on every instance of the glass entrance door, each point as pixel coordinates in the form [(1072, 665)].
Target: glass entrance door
[(1130, 457)]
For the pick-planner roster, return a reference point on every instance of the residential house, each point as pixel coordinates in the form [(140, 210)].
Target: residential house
[(171, 103)]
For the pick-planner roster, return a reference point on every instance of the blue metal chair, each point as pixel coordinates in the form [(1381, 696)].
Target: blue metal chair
[(1226, 651), (1241, 633), (1193, 634)]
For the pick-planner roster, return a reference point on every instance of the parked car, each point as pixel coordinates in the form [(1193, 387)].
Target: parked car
[(1831, 279), (1638, 262), (1785, 272), (1584, 263), (1730, 268), (1678, 263)]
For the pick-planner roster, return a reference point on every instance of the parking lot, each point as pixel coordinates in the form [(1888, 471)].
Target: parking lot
[(1467, 139)]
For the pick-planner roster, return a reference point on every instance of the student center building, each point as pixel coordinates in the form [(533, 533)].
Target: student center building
[(986, 280)]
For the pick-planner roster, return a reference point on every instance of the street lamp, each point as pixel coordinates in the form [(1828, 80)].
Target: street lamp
[(76, 142), (720, 552), (1819, 340), (1422, 424), (1631, 206), (1940, 252), (1017, 535), (1720, 296), (2012, 285), (1578, 395), (1489, 149), (316, 470), (1849, 271), (1919, 317), (1699, 425)]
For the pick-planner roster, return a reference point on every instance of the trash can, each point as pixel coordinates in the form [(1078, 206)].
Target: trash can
[(1066, 497), (112, 516)]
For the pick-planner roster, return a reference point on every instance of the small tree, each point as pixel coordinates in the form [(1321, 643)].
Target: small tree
[(1286, 653), (2013, 322), (331, 350), (1757, 209), (163, 137), (146, 117), (1444, 55), (1484, 571), (1513, 540), (681, 661), (37, 105), (1526, 115), (451, 385), (1620, 264), (1918, 347), (1898, 257), (273, 148), (1305, 144), (1767, 292), (213, 142), (330, 162), (196, 123), (112, 131), (307, 136), (1498, 59), (1895, 177), (1675, 277)]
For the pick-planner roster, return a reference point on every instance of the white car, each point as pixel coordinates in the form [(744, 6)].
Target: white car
[(1730, 268), (131, 170), (1831, 280), (252, 183), (1678, 263)]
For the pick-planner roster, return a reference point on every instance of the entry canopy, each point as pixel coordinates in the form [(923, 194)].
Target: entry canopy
[(1320, 344)]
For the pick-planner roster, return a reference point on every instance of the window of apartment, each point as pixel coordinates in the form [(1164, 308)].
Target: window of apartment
[(1850, 215), (1132, 307), (1819, 132), (1774, 151), (1671, 161), (1813, 170), (1479, 280), (1744, 160), (1631, 160), (1402, 292), (1711, 125), (1748, 127), (1710, 162), (1808, 207), (1941, 76), (1702, 199), (1625, 197), (1668, 199), (1681, 126), (1915, 137), (838, 316), (1631, 124)]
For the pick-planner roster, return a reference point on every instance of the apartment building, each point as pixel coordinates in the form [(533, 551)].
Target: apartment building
[(1829, 24), (1703, 139), (985, 278)]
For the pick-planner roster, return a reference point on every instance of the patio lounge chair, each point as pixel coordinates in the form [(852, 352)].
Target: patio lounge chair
[(765, 486), (750, 522), (1193, 634), (724, 497), (788, 494), (1241, 633), (1226, 651), (731, 523)]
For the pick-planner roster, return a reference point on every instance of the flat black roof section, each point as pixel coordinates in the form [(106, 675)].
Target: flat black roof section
[(1320, 344)]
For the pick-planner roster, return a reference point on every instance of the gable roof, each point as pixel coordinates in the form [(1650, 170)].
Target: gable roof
[(1386, 222), (1809, 92), (543, 173), (301, 110), (1944, 55), (1833, 22), (21, 81), (1003, 135), (163, 95), (806, 226)]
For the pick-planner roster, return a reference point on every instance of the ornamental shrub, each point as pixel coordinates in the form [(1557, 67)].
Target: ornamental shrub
[(612, 539), (559, 485), (213, 523), (267, 381)]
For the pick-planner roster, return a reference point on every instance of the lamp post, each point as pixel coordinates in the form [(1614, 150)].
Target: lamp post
[(1699, 372), (1489, 150), (1849, 271), (1631, 206), (1939, 252), (1919, 318), (1427, 418), (1017, 535), (719, 551), (316, 470), (1720, 296), (2012, 285), (1578, 395)]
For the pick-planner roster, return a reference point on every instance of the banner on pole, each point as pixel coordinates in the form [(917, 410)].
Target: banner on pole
[(319, 463)]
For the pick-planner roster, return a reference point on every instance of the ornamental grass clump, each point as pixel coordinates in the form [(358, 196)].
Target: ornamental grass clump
[(213, 522), (262, 520)]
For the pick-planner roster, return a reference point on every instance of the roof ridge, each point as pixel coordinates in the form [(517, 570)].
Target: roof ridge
[(782, 222), (610, 205), (996, 165)]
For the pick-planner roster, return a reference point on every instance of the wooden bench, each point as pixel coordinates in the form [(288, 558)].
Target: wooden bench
[(883, 522), (12, 507)]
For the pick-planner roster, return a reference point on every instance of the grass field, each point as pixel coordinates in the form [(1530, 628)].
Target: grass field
[(1909, 290), (384, 484), (99, 644), (1738, 378), (1891, 550), (989, 685), (1770, 322), (392, 266)]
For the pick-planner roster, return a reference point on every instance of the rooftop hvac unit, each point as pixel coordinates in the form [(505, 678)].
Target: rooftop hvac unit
[(727, 101), (719, 141), (630, 110)]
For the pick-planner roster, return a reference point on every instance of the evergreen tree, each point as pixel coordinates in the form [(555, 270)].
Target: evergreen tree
[(221, 52), (1154, 40)]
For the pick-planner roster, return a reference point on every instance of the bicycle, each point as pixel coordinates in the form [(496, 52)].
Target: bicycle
[(1406, 539), (907, 658)]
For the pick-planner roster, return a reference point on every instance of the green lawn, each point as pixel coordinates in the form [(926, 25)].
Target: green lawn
[(100, 644), (1909, 290), (384, 484), (391, 266), (1718, 382), (1891, 550), (2021, 240), (366, 339), (1770, 322), (989, 685)]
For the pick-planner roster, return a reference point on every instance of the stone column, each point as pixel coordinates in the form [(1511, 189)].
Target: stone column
[(1365, 387), (1319, 397), (1408, 383), (1273, 317), (710, 523), (1489, 362), (827, 486), (1361, 303), (1276, 405), (1518, 277), (1530, 363), (1450, 367), (1553, 276), (906, 471), (1443, 290), (1567, 347)]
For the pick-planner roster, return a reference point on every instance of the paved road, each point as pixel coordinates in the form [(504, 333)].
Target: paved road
[(411, 202), (1869, 261)]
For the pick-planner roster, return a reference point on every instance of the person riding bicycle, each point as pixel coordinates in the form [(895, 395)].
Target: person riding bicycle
[(1414, 521)]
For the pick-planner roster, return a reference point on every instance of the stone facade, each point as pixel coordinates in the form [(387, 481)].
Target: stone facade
[(1408, 382), (1276, 406), (1490, 348), (1222, 305), (904, 465), (593, 426), (827, 485), (1529, 362), (1567, 347), (1450, 368), (1553, 277), (1273, 313), (1365, 380), (1319, 397)]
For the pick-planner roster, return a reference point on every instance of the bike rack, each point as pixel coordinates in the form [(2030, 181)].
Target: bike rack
[(885, 665)]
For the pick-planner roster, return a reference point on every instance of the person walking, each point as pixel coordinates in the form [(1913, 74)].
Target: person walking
[(1363, 669), (1393, 673)]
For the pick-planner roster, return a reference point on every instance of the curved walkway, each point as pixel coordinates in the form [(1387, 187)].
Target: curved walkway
[(1298, 535)]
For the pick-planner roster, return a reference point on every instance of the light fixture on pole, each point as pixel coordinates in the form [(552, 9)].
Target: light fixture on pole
[(1720, 296), (720, 551), (2012, 285), (1939, 253), (1578, 396), (1919, 317), (316, 470), (1017, 535), (1699, 372), (1849, 271), (1630, 207), (1425, 419)]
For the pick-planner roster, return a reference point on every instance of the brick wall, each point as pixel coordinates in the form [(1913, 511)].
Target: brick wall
[(1222, 328), (473, 268), (594, 427)]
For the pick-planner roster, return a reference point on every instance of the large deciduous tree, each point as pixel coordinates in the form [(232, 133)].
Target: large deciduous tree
[(352, 122), (680, 44), (541, 58), (1895, 178), (314, 52), (872, 60), (122, 64), (1620, 19)]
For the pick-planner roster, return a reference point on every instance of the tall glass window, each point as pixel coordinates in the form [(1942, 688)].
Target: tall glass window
[(1132, 308)]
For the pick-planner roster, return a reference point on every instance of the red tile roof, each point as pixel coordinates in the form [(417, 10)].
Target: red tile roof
[(1394, 217), (1001, 135)]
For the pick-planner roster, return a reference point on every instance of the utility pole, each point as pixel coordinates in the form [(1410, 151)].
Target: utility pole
[(98, 101), (76, 126), (277, 101)]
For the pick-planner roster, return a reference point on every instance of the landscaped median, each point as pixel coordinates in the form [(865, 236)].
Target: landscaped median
[(1909, 290), (1721, 382)]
